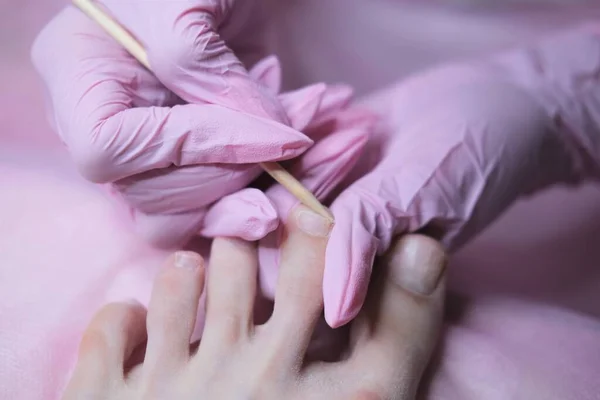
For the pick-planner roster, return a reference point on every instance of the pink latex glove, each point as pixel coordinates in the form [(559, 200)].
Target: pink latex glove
[(340, 131), (455, 147), (248, 213), (122, 125)]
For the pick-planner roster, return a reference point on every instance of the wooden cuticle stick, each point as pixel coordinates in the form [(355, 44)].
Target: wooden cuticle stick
[(126, 40)]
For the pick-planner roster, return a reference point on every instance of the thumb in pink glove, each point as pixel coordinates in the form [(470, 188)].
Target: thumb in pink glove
[(457, 146)]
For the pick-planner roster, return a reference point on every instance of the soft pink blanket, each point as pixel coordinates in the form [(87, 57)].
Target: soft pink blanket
[(524, 309)]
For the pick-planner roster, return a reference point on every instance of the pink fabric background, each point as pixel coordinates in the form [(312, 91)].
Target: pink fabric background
[(524, 307)]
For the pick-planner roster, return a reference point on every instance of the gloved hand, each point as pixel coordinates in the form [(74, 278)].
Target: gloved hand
[(454, 148), (340, 131), (125, 127), (247, 213), (464, 143)]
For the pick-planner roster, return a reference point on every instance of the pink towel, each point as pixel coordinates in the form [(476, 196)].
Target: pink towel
[(524, 310)]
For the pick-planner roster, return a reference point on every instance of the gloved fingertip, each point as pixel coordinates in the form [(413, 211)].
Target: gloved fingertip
[(267, 72), (335, 320), (256, 228), (247, 214), (249, 139), (302, 105), (293, 147), (338, 315), (349, 261)]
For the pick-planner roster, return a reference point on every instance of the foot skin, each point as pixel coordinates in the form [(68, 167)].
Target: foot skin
[(391, 341)]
